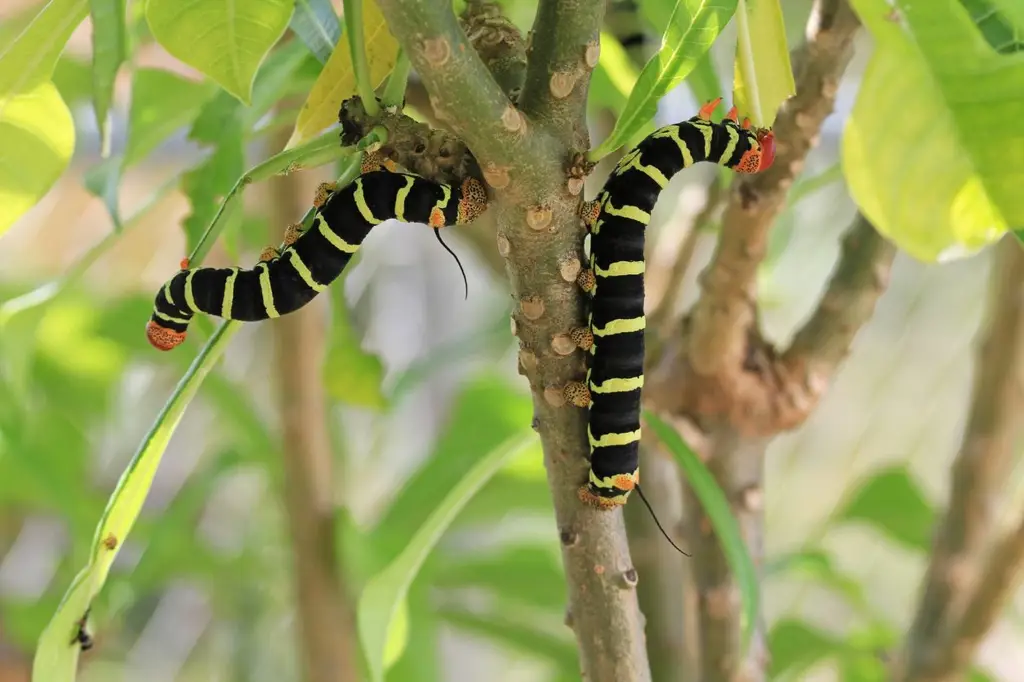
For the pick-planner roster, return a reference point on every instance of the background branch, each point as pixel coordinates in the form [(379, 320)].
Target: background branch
[(326, 635), (993, 430), (725, 311)]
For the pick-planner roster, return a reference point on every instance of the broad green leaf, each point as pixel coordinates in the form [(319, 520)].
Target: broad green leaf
[(694, 25), (73, 78), (703, 80), (109, 50), (317, 25), (28, 59), (892, 502), (487, 413), (763, 76), (224, 39), (382, 597), (37, 139), (280, 76), (103, 180), (1000, 28), (521, 572), (519, 633), (219, 123), (162, 102), (946, 184), (56, 655), (716, 506), (796, 646), (814, 565), (351, 375), (337, 81)]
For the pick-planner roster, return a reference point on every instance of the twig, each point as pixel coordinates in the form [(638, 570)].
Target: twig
[(724, 313), (464, 95), (564, 47), (327, 639), (857, 282), (498, 42), (993, 427)]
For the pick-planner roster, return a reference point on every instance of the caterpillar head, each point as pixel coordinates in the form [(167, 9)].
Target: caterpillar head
[(163, 338), (761, 155)]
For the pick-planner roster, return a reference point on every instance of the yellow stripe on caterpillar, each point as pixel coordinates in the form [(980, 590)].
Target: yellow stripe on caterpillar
[(627, 211), (632, 162), (621, 268), (177, 320), (621, 326), (304, 272), (620, 481), (229, 294), (332, 237), (265, 290), (190, 299), (618, 385), (730, 147), (364, 208), (613, 438), (403, 194)]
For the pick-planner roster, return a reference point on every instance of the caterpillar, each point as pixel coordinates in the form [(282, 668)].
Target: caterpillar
[(282, 282), (614, 335)]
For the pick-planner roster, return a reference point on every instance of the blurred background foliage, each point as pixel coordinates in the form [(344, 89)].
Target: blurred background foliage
[(420, 385)]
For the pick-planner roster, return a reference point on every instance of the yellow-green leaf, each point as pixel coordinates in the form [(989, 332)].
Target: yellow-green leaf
[(37, 139), (337, 81), (109, 50), (57, 654), (692, 28), (932, 152), (763, 76), (382, 599), (29, 58), (224, 39)]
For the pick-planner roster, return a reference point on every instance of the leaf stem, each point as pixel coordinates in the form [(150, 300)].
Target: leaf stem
[(357, 47), (394, 91), (316, 152)]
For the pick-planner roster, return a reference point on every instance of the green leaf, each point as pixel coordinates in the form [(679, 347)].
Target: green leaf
[(109, 50), (28, 59), (162, 102), (351, 375), (716, 506), (337, 81), (763, 76), (382, 597), (488, 412), (219, 123), (694, 25), (796, 646), (37, 139), (522, 572), (103, 180), (893, 503), (224, 39), (520, 634), (1019, 234), (814, 565), (948, 183), (73, 78), (999, 29), (703, 80), (56, 655), (317, 26)]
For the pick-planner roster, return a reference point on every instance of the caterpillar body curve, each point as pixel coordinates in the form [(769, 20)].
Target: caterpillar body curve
[(617, 220), (284, 282)]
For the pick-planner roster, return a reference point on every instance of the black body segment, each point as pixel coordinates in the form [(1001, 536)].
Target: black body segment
[(615, 373), (289, 280)]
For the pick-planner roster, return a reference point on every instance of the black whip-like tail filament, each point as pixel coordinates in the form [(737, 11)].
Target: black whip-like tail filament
[(657, 522), (465, 281)]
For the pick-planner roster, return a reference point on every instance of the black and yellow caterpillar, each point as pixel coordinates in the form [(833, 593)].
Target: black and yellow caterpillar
[(615, 332), (284, 282)]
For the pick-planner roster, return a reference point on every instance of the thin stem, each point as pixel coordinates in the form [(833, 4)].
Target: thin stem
[(357, 46), (394, 91), (316, 152)]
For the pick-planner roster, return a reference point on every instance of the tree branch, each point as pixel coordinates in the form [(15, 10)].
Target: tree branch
[(327, 640), (857, 282), (498, 42), (464, 95), (564, 47), (992, 432), (726, 308)]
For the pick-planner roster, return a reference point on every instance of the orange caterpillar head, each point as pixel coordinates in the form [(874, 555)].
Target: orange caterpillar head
[(760, 156), (163, 338)]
